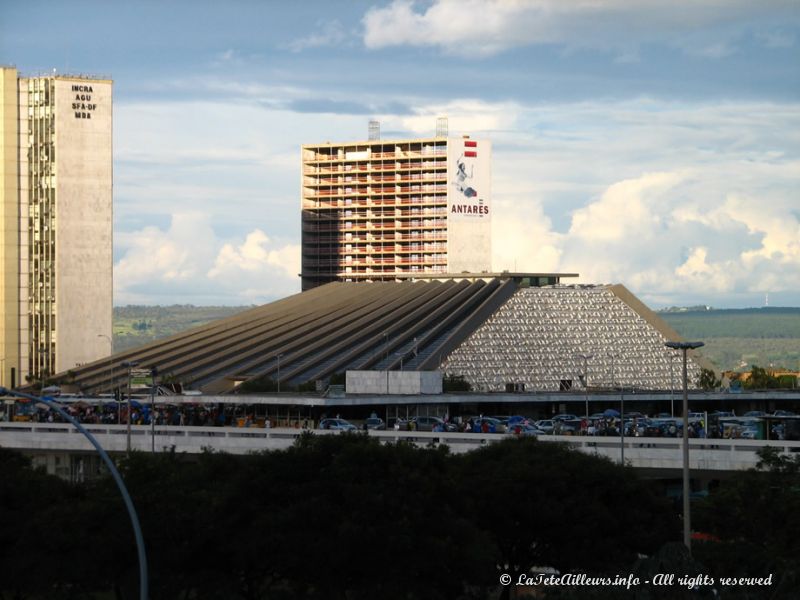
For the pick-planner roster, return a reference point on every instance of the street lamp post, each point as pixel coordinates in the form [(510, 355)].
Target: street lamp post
[(585, 358), (43, 370), (110, 361), (129, 364), (614, 356), (622, 425), (672, 383), (126, 497), (278, 356), (687, 523), (153, 374)]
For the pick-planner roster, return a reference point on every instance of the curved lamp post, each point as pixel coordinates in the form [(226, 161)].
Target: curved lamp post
[(137, 530), (687, 522)]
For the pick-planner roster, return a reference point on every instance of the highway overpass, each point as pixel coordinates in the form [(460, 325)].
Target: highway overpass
[(660, 457)]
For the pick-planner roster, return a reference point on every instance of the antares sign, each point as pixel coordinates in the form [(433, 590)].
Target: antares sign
[(469, 179), (82, 101), (469, 209)]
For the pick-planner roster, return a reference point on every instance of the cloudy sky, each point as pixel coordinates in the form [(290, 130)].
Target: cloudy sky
[(651, 143)]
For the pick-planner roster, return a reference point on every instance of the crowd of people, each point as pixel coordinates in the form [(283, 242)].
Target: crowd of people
[(230, 415), (140, 414)]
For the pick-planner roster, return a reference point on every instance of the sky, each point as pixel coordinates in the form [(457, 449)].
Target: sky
[(649, 143)]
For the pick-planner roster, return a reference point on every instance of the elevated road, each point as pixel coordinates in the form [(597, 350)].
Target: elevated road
[(654, 454)]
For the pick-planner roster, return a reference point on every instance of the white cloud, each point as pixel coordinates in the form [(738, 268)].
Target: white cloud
[(627, 208), (674, 201), (152, 257), (671, 199), (254, 257), (656, 235), (463, 115), (484, 27), (522, 238), (696, 271), (187, 263), (465, 27), (330, 33)]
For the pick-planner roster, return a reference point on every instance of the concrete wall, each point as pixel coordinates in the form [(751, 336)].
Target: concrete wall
[(23, 312), (394, 382), (661, 454), (9, 222), (84, 267)]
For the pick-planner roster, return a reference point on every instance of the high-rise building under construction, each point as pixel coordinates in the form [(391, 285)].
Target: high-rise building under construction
[(395, 209)]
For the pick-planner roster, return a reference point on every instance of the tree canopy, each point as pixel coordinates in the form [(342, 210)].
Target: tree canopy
[(334, 516)]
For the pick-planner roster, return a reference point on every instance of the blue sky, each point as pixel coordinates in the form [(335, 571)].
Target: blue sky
[(647, 143)]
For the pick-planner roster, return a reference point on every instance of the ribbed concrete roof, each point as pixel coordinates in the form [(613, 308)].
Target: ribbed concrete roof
[(326, 330)]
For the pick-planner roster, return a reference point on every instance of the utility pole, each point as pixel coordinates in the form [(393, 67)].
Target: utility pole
[(129, 364), (687, 520)]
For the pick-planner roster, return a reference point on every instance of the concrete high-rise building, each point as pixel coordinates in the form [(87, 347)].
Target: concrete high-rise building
[(56, 215), (395, 209)]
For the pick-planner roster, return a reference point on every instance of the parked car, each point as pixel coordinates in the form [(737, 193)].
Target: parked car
[(571, 427), (488, 425), (565, 417), (784, 413), (755, 413), (375, 423), (339, 424), (749, 432), (520, 428), (428, 423), (637, 427), (721, 413), (397, 423), (546, 425), (667, 427)]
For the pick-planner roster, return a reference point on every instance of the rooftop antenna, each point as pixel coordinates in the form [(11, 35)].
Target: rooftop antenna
[(441, 126), (374, 130)]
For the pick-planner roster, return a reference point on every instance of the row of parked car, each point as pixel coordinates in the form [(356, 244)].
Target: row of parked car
[(477, 424), (714, 424), (421, 423)]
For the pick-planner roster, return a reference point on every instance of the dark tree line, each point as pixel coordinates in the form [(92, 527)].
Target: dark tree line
[(756, 518), (340, 517)]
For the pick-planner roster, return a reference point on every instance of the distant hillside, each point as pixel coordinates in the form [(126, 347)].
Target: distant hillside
[(137, 325), (734, 338), (738, 338)]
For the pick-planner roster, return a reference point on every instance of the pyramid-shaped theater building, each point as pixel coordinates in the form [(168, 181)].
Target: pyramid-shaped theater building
[(494, 330), (396, 260)]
